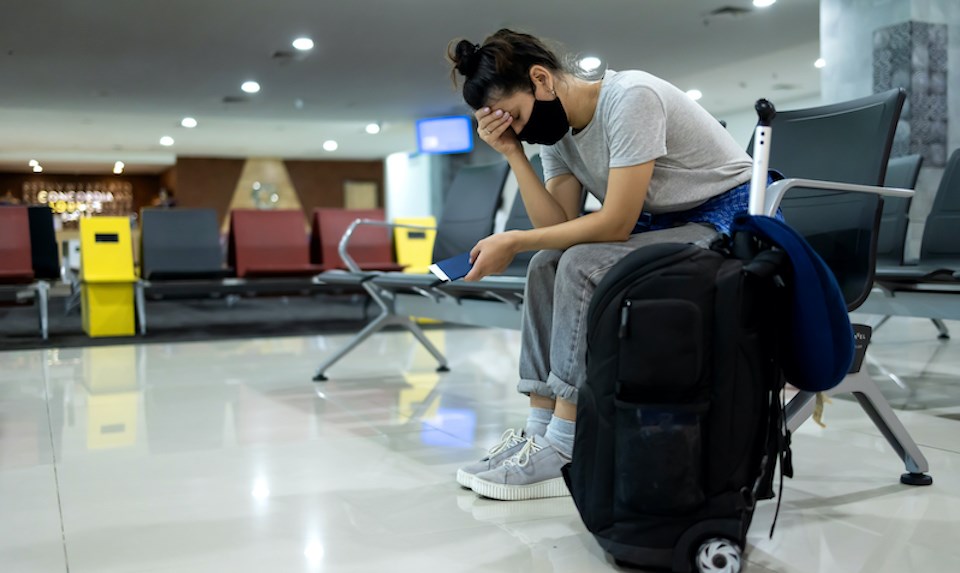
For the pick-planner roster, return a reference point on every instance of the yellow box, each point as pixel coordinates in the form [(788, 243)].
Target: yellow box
[(107, 277), (107, 309), (106, 250), (415, 246)]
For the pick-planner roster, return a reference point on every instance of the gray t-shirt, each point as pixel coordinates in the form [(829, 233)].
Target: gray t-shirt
[(640, 118)]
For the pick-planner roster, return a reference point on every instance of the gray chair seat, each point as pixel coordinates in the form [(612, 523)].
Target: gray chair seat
[(346, 278)]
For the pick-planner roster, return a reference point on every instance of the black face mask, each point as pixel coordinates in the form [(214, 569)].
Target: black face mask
[(547, 123)]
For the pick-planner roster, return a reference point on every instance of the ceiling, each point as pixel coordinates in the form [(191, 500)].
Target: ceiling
[(89, 82)]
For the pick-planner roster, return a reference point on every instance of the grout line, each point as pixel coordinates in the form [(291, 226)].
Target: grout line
[(56, 474)]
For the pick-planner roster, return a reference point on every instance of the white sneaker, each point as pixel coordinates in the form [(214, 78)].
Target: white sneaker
[(532, 473), (510, 443)]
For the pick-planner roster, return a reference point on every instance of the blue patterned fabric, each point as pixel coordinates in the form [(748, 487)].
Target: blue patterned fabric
[(718, 211)]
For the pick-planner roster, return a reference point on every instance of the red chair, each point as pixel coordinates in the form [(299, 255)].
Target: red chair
[(370, 247), (16, 255), (269, 244), (16, 262)]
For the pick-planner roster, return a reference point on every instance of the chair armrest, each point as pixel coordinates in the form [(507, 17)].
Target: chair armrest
[(778, 189), (345, 239)]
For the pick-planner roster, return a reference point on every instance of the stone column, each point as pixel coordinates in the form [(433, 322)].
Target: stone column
[(874, 45)]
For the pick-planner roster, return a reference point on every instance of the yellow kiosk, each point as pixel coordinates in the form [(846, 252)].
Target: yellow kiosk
[(107, 277), (415, 246)]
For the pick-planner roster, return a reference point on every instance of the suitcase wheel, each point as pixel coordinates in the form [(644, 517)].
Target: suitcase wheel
[(718, 556)]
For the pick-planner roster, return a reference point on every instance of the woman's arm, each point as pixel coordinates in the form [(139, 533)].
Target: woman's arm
[(626, 192), (556, 202)]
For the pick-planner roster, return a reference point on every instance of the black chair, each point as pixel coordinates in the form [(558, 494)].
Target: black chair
[(468, 216), (930, 287), (43, 242), (940, 245), (841, 153), (181, 244), (469, 209), (902, 172)]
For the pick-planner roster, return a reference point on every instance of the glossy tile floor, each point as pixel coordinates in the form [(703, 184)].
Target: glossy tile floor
[(223, 456)]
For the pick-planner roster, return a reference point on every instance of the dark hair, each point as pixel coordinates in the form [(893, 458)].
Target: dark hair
[(500, 67)]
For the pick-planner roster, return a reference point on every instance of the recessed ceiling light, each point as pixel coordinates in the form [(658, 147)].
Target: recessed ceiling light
[(589, 64), (695, 95), (188, 122), (373, 128), (303, 44), (166, 141), (251, 87), (118, 167), (764, 3), (330, 145), (37, 169), (820, 63), (34, 163)]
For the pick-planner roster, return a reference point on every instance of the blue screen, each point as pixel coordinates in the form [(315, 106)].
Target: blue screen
[(445, 134)]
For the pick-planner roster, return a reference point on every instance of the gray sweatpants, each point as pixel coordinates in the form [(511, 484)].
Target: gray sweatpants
[(559, 287)]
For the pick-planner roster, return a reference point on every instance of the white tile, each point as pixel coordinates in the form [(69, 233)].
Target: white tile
[(30, 536), (225, 456)]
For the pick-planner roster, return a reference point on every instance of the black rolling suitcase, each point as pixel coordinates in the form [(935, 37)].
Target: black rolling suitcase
[(680, 423)]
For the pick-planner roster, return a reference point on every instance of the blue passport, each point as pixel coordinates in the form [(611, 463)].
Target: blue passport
[(453, 268)]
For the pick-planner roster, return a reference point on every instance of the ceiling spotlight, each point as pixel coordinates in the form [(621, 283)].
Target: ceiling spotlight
[(118, 167), (695, 95), (820, 63), (764, 3), (589, 64), (188, 122), (303, 44), (251, 87), (373, 128), (34, 163), (330, 145), (166, 141), (37, 169)]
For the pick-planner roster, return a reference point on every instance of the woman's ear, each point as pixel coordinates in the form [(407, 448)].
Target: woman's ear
[(542, 81)]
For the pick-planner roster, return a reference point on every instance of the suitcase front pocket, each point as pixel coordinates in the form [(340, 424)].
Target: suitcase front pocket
[(658, 458), (661, 350)]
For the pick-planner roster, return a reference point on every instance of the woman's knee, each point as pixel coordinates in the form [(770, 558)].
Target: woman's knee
[(544, 261)]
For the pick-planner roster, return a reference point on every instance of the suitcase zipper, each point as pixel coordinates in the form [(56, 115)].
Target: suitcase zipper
[(624, 318)]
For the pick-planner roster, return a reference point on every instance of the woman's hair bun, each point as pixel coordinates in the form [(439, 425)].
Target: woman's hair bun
[(466, 57)]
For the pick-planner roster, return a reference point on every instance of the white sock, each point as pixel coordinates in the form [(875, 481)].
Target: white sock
[(560, 435), (537, 421)]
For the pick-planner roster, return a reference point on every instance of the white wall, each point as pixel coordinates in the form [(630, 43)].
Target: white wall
[(409, 180)]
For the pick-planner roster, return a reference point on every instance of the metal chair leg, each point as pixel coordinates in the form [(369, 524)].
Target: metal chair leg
[(43, 297), (942, 330), (865, 390)]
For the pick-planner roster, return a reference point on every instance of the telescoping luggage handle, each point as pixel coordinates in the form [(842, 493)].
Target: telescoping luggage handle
[(761, 155)]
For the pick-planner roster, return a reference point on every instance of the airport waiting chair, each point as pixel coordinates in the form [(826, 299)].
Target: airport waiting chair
[(43, 243), (930, 288), (835, 158), (467, 217), (266, 243), (940, 245), (902, 172), (18, 277), (16, 262), (180, 245), (370, 247)]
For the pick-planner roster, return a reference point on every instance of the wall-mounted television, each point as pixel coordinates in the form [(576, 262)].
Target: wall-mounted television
[(452, 134)]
